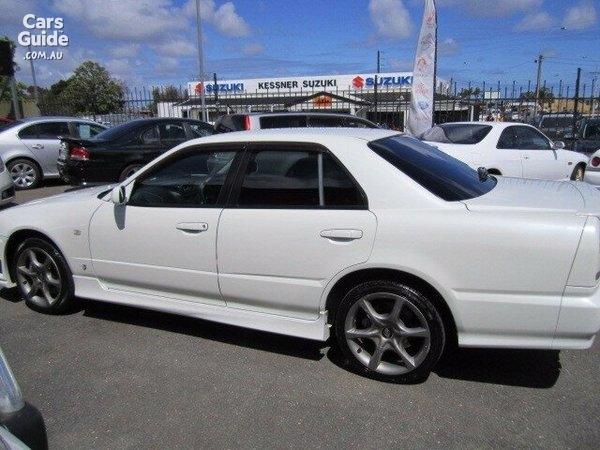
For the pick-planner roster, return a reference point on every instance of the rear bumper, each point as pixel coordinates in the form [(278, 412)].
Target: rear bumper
[(579, 319), (87, 172)]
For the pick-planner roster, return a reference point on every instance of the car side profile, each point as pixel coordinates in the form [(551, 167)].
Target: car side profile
[(391, 246), (507, 148), (259, 121), (30, 147), (120, 151)]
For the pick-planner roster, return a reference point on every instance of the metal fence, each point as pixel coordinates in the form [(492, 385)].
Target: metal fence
[(557, 111)]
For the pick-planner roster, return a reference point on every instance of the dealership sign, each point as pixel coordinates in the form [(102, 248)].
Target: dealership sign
[(329, 83)]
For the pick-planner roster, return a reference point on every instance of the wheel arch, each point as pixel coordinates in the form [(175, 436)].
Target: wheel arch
[(351, 279), (19, 236), (14, 156)]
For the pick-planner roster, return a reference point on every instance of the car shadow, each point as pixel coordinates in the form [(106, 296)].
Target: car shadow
[(229, 334)]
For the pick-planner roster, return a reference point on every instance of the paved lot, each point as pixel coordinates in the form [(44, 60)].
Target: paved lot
[(115, 377)]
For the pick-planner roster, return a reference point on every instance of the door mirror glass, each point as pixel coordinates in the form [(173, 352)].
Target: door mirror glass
[(557, 145), (118, 195)]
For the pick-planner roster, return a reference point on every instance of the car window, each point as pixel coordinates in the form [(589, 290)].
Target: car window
[(507, 138), (87, 130), (172, 132), (297, 179), (354, 122), (326, 121), (51, 130), (292, 121), (193, 179), (527, 138), (29, 132), (150, 136), (592, 131), (231, 122), (455, 133), (438, 172), (200, 130)]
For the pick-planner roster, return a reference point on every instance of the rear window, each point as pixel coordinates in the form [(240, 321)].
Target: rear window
[(439, 173), (455, 133), (119, 130), (292, 121), (231, 122), (557, 122)]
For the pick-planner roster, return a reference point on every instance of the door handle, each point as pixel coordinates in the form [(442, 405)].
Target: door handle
[(525, 157), (342, 235), (37, 146), (192, 227)]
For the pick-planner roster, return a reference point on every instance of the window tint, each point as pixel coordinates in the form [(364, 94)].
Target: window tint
[(150, 136), (439, 173), (291, 179), (192, 179), (592, 131), (29, 132), (283, 121), (119, 130), (326, 121), (51, 130), (172, 132), (457, 133), (200, 130), (557, 122), (508, 138), (87, 130), (528, 138)]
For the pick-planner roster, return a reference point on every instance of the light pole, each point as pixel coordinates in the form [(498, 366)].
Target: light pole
[(201, 62)]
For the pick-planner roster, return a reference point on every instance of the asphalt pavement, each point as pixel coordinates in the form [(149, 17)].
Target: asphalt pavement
[(108, 376)]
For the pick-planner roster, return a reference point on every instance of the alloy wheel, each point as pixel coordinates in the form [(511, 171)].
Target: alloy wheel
[(387, 333), (38, 276), (23, 174)]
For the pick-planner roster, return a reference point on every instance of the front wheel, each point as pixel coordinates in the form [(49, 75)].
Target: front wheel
[(578, 174), (389, 330), (43, 276)]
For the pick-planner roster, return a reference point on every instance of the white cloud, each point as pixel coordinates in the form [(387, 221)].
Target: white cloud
[(448, 47), (13, 11), (581, 16), (175, 47), (224, 18), (497, 8), (391, 18), (125, 50), (253, 49), (536, 21)]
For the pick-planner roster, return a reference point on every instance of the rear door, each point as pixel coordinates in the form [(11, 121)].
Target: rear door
[(296, 219), (44, 144), (507, 158)]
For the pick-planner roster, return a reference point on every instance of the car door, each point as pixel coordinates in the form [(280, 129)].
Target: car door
[(162, 242), (540, 160), (44, 144), (506, 158), (295, 220)]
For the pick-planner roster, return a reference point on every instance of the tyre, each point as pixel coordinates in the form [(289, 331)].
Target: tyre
[(390, 331), (25, 173), (129, 170), (578, 173), (43, 276)]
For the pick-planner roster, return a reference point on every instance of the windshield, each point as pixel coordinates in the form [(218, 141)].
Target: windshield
[(457, 133), (117, 131), (439, 173)]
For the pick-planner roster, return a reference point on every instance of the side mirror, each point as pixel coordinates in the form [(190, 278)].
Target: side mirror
[(118, 195), (557, 145)]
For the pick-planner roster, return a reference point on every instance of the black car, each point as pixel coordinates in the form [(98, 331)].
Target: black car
[(118, 152), (588, 136)]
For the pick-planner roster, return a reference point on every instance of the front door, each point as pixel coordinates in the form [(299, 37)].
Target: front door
[(539, 159), (163, 240), (297, 218)]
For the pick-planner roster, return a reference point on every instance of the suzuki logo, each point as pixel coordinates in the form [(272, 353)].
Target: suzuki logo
[(358, 82), (199, 88)]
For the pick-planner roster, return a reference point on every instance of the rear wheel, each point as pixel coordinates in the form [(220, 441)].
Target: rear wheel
[(578, 174), (25, 173), (129, 170), (43, 276), (389, 330)]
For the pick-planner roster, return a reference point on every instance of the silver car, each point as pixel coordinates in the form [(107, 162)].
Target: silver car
[(30, 147)]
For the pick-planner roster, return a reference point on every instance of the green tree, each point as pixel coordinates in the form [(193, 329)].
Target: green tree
[(165, 94), (91, 90), (546, 97)]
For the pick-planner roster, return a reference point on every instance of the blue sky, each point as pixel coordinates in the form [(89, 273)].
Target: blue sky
[(150, 42)]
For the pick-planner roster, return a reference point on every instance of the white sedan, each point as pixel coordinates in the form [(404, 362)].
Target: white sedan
[(507, 148), (389, 244)]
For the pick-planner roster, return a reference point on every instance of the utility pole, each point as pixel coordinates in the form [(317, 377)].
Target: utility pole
[(201, 62), (593, 99), (35, 86), (375, 99), (576, 101), (537, 84)]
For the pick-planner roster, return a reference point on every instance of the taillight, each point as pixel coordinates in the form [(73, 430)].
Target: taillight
[(79, 153), (595, 161), (246, 122)]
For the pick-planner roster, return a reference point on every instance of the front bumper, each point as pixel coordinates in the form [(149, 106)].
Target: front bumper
[(592, 175), (7, 188)]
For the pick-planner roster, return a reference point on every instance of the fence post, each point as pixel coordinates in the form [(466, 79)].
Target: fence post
[(576, 101)]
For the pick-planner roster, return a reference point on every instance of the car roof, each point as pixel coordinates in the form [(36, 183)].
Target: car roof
[(299, 134), (294, 113), (499, 125), (53, 118)]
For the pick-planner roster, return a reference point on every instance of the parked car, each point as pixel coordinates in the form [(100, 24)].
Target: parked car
[(257, 121), (588, 136), (507, 148), (120, 151), (557, 126), (592, 172), (7, 188), (29, 147), (21, 424), (395, 247)]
